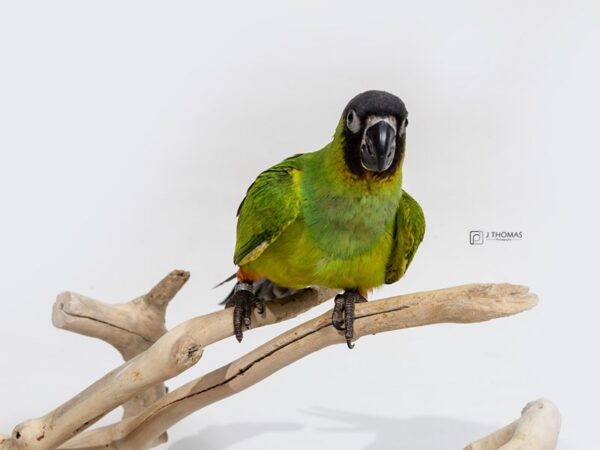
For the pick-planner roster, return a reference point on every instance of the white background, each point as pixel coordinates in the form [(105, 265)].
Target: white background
[(129, 132)]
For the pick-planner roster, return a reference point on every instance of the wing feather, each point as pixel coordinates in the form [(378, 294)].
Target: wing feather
[(409, 230), (271, 204)]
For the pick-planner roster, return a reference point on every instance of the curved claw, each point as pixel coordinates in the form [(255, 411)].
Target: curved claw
[(337, 325)]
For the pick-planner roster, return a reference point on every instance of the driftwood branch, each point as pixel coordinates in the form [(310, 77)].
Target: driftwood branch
[(130, 327), (536, 429), (170, 355), (182, 347), (462, 304)]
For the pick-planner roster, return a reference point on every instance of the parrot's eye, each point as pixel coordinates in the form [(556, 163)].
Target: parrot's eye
[(403, 127), (352, 121)]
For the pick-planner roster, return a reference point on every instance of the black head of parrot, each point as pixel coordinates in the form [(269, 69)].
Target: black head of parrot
[(374, 133)]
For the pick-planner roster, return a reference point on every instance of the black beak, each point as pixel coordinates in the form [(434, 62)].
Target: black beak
[(379, 146)]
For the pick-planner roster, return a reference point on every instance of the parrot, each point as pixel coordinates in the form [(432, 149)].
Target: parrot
[(335, 218)]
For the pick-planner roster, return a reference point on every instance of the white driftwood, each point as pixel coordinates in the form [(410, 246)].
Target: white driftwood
[(536, 429), (130, 327), (182, 347), (172, 353), (462, 304)]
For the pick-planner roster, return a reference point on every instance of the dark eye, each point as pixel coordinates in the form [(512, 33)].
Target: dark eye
[(402, 129), (352, 121)]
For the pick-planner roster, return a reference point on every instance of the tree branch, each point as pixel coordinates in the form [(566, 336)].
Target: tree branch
[(536, 429), (172, 353), (462, 304), (130, 327)]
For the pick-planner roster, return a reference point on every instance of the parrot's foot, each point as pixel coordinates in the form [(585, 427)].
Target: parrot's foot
[(242, 301), (343, 313)]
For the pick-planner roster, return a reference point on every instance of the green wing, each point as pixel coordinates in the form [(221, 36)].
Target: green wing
[(271, 204), (409, 230)]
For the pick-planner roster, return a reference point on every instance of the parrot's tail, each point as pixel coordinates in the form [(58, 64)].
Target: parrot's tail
[(264, 289), (226, 280)]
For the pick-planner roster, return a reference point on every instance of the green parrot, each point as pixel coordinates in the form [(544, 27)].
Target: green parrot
[(336, 218)]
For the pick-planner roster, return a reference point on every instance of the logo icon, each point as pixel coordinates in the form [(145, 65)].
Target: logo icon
[(476, 238)]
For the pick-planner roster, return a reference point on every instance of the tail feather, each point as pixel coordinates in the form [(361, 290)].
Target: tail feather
[(267, 290), (226, 280)]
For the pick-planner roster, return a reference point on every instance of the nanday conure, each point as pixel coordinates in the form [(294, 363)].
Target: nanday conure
[(335, 218)]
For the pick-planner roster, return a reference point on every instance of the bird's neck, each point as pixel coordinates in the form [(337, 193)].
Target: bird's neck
[(330, 165)]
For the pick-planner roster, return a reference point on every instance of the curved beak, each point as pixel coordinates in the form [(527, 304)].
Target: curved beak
[(378, 147)]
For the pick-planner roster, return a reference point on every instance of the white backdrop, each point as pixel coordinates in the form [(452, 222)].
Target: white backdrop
[(129, 132)]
